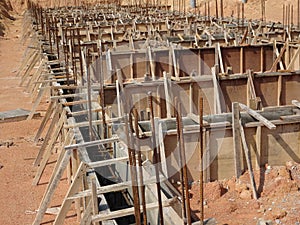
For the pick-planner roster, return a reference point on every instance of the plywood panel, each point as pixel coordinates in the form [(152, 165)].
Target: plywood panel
[(207, 60), (252, 58), (233, 91), (266, 89), (231, 58), (290, 89)]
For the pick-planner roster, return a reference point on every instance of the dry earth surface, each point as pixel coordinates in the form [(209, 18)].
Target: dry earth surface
[(229, 201)]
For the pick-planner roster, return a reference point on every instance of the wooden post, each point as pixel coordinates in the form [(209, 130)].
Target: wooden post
[(167, 95), (217, 103), (94, 198), (258, 146), (236, 138), (156, 158), (248, 159)]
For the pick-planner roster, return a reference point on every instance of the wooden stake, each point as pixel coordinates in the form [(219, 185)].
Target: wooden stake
[(236, 138)]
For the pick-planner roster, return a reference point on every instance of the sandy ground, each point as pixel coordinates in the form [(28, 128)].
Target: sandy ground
[(18, 197), (228, 201)]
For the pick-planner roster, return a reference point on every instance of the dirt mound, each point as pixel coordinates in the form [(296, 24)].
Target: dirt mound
[(8, 10), (5, 15), (230, 201)]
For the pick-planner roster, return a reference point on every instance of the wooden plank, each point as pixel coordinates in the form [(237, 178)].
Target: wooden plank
[(248, 159), (83, 112), (35, 77), (107, 162), (175, 66), (291, 118), (56, 113), (258, 147), (37, 101), (114, 188), (217, 103), (86, 218), (296, 103), (279, 90), (257, 116), (69, 139), (92, 143), (29, 68), (167, 95), (51, 188), (77, 102), (293, 60), (46, 118), (276, 122), (68, 96), (48, 150), (94, 198), (236, 139), (220, 58), (82, 124), (278, 59), (130, 211), (152, 63), (72, 190)]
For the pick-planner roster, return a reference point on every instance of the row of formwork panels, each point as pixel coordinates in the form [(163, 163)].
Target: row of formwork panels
[(266, 146), (181, 62), (256, 91)]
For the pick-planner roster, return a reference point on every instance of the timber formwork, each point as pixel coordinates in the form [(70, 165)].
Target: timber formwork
[(143, 98)]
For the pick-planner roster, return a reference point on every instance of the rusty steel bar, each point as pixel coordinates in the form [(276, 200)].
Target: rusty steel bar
[(140, 168), (183, 203), (132, 164), (156, 157), (200, 105), (183, 165), (217, 12), (222, 9), (243, 15)]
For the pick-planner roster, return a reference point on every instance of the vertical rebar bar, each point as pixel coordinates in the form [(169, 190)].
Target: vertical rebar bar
[(222, 9), (183, 205), (243, 15), (183, 164), (132, 165), (200, 106), (217, 12), (140, 168)]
